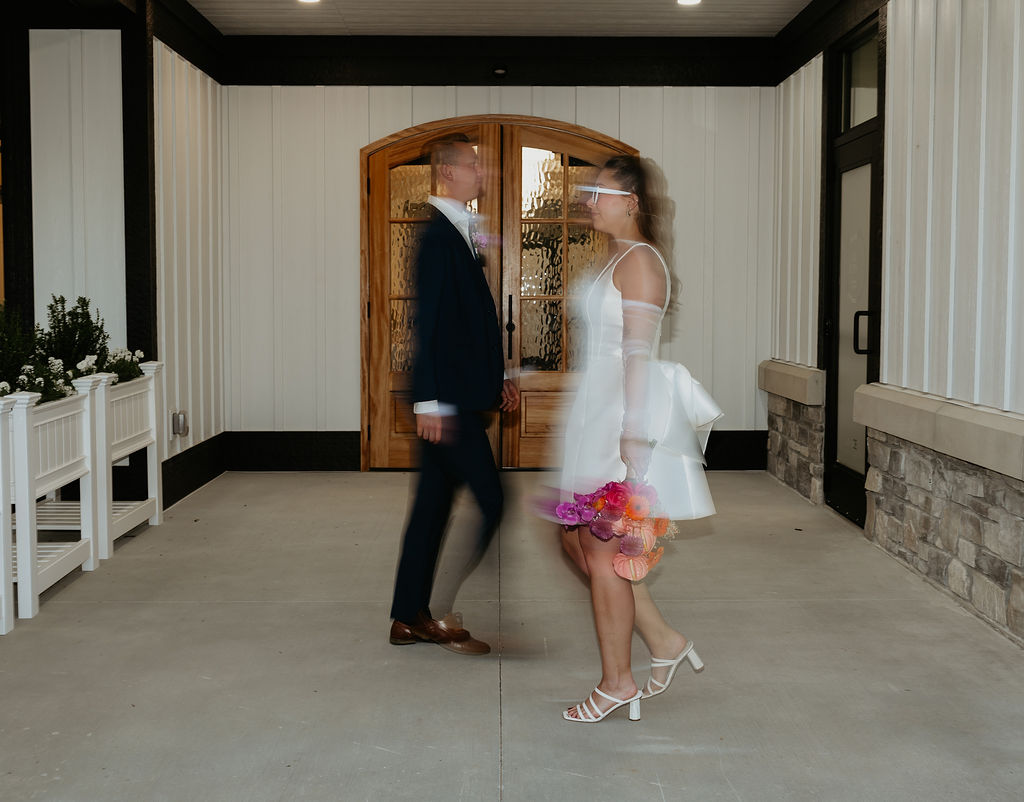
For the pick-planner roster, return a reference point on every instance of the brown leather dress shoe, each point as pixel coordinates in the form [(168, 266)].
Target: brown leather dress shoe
[(446, 633)]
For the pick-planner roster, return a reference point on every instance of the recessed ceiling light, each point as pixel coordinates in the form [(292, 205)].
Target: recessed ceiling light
[(688, 2), (317, 1)]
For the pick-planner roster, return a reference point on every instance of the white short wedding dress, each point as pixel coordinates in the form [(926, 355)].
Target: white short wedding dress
[(673, 408)]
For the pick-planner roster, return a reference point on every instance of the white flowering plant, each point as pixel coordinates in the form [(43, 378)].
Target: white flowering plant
[(74, 344)]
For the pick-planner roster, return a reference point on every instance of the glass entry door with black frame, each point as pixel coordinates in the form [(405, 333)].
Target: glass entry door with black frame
[(851, 279)]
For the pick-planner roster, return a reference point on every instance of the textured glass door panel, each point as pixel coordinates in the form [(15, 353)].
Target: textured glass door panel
[(541, 259), (402, 324), (405, 240), (410, 187), (543, 184), (541, 335), (580, 175), (586, 255), (854, 265)]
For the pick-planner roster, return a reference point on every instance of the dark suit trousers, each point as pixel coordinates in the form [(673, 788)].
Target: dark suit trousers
[(444, 467)]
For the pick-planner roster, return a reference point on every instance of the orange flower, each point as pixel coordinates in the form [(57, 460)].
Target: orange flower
[(660, 526), (599, 504), (654, 557), (638, 508)]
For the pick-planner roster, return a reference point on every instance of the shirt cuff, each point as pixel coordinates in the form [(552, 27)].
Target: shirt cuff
[(433, 408)]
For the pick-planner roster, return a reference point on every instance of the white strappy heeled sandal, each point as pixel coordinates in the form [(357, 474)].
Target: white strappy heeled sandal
[(653, 687), (588, 712)]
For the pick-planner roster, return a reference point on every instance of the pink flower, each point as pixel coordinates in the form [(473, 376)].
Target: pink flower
[(601, 528), (587, 514), (632, 546)]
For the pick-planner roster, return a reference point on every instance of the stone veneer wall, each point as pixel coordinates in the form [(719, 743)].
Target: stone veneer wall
[(796, 446), (959, 524)]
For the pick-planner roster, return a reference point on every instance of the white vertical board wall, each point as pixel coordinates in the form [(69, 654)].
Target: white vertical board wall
[(292, 200), (953, 252), (798, 210), (78, 172), (190, 318)]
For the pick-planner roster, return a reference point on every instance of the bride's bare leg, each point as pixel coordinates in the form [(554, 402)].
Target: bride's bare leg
[(612, 600), (663, 641), (572, 547)]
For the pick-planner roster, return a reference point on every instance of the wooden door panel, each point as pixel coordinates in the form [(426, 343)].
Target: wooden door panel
[(399, 181), (531, 436), (541, 292)]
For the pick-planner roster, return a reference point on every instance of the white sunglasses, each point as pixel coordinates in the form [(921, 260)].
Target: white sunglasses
[(595, 192)]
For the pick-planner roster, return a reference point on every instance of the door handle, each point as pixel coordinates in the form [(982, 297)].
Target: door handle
[(510, 327), (857, 317)]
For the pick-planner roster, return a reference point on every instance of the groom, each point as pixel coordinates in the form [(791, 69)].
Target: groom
[(457, 378)]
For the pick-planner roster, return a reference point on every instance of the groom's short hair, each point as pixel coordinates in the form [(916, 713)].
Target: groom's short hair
[(445, 150)]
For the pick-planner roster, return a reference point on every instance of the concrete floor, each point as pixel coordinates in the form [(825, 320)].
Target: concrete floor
[(239, 652)]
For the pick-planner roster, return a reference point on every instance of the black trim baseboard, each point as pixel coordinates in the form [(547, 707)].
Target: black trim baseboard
[(191, 469), (339, 451), (291, 451), (737, 450)]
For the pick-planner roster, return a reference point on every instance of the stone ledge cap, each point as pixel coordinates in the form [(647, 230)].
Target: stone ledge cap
[(799, 383), (984, 436)]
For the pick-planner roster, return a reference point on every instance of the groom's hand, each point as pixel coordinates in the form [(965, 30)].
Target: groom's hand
[(430, 426), (509, 396)]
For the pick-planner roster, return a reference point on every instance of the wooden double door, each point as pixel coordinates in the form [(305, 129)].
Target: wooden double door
[(539, 253)]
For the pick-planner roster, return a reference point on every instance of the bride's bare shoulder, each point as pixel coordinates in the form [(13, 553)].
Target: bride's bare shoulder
[(640, 275)]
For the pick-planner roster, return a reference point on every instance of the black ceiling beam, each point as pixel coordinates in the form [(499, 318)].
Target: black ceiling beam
[(535, 61), (819, 26)]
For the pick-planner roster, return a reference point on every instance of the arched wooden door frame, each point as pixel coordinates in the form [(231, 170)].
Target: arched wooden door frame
[(433, 129)]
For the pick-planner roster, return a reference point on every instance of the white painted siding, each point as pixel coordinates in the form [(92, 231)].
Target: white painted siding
[(292, 230), (798, 216), (953, 290), (78, 171), (190, 315)]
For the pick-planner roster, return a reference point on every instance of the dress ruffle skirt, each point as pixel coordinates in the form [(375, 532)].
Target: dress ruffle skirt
[(681, 414)]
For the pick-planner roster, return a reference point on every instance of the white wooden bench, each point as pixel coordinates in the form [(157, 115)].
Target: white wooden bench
[(54, 444)]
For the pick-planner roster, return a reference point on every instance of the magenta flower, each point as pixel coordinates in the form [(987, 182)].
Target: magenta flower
[(568, 514)]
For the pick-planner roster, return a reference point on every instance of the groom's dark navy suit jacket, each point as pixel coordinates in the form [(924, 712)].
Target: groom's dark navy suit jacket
[(458, 341), (458, 361)]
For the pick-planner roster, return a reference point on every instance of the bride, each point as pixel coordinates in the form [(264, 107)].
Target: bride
[(633, 418)]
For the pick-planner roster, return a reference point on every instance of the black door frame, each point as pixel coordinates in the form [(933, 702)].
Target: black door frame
[(843, 151)]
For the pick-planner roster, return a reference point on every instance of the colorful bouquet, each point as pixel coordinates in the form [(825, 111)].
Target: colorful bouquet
[(626, 510)]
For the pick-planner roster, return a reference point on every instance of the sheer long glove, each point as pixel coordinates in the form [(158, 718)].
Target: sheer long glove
[(640, 325)]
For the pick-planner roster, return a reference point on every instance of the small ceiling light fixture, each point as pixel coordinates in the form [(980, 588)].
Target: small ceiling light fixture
[(688, 2), (317, 1), (500, 70)]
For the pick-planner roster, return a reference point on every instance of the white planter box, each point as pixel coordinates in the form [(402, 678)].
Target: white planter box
[(6, 529), (54, 444), (45, 447)]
